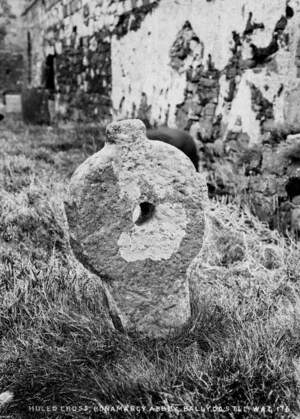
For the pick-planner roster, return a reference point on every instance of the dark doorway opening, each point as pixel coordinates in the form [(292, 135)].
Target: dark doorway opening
[(49, 77), (29, 57), (293, 187)]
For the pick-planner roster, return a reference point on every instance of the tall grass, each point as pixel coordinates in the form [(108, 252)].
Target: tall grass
[(60, 357)]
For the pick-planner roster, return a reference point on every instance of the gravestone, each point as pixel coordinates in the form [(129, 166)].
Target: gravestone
[(13, 103), (35, 106), (136, 219)]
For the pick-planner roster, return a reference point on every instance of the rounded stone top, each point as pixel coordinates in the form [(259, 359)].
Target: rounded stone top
[(135, 211), (136, 201), (129, 130)]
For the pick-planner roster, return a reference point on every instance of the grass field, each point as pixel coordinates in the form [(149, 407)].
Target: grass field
[(239, 356)]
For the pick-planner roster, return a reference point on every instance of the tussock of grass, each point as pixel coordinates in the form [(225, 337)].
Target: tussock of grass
[(241, 346), (32, 222), (243, 262)]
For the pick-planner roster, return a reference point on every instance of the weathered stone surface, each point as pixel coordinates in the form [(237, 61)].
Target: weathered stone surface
[(79, 35), (295, 220), (233, 80), (135, 211), (273, 162), (290, 149), (35, 106), (11, 71), (12, 45), (13, 103)]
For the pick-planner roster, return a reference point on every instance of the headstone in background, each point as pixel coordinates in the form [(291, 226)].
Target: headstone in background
[(136, 216), (35, 106), (13, 103), (51, 107)]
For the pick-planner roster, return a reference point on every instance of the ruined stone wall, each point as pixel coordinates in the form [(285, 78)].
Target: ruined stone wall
[(198, 59), (228, 71), (78, 34), (205, 66), (11, 45)]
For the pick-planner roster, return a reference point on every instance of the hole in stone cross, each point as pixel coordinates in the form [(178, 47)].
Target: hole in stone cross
[(143, 212)]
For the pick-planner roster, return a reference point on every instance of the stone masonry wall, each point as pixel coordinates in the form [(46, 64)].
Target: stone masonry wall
[(78, 35), (11, 45), (227, 71), (188, 63)]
